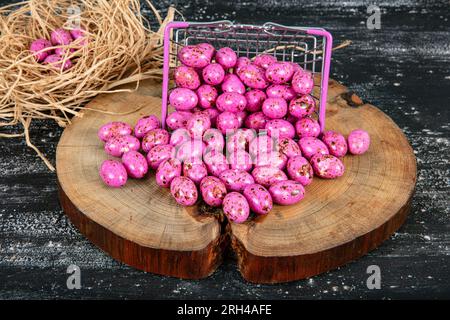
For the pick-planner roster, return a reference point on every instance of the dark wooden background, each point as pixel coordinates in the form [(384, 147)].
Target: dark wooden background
[(403, 68)]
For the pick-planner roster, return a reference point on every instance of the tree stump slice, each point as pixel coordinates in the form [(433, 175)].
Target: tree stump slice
[(139, 224), (337, 221)]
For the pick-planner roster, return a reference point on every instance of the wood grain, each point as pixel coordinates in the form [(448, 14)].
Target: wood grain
[(189, 264), (338, 221), (139, 224)]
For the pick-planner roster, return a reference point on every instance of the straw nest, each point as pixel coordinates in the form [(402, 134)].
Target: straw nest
[(120, 49)]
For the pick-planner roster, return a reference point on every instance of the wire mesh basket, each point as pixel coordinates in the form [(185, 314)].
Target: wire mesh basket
[(309, 47)]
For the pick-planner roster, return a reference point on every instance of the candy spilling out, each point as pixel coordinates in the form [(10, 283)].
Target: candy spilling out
[(60, 38), (243, 135)]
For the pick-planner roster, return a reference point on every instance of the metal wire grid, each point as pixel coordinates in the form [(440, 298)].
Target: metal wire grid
[(285, 43)]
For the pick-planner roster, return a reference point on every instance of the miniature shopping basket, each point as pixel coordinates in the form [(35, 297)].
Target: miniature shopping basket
[(309, 47)]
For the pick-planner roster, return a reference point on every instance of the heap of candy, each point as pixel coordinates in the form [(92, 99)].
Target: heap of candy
[(53, 51), (243, 135)]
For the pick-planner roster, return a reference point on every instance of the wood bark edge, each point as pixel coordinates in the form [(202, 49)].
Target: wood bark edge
[(258, 269), (180, 264)]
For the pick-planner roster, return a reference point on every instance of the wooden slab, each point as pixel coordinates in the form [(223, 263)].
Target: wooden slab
[(337, 222), (139, 224)]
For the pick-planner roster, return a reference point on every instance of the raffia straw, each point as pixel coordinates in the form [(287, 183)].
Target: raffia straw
[(116, 113), (120, 49), (12, 135), (26, 125)]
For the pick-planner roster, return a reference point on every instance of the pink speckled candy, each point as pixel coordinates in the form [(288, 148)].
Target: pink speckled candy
[(186, 77), (249, 133), (307, 127), (79, 33), (255, 99), (113, 129), (135, 164), (198, 124), (236, 180), (213, 139), (195, 170), (113, 173), (256, 121), (235, 207), (296, 67), (183, 99), (184, 191), (60, 37), (253, 76), (311, 145), (302, 106), (167, 170), (302, 82), (274, 159), (241, 62), (38, 46), (231, 101), (158, 154), (240, 160), (281, 91), (153, 138), (240, 139), (215, 162), (289, 93), (226, 57), (56, 61), (117, 146), (291, 119), (280, 72), (179, 136), (227, 122), (232, 83), (264, 60), (213, 191), (279, 128), (336, 143), (241, 116), (63, 51), (207, 96), (145, 124), (358, 141), (299, 169), (327, 166), (286, 193), (177, 119), (274, 108), (258, 198), (275, 90), (266, 176), (213, 74), (207, 48), (261, 144), (289, 147), (190, 149), (194, 56), (212, 113), (197, 110)]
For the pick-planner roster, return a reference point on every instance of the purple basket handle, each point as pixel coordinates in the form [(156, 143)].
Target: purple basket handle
[(326, 72), (166, 66)]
